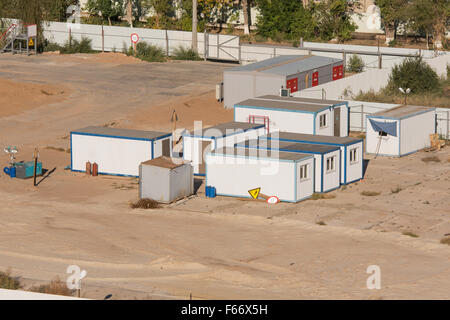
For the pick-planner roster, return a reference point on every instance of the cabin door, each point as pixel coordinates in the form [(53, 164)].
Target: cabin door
[(337, 122)]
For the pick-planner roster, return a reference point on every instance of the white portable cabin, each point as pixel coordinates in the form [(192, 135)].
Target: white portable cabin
[(293, 72), (195, 144), (352, 151), (327, 171), (235, 171), (165, 179), (400, 131), (295, 114), (117, 151)]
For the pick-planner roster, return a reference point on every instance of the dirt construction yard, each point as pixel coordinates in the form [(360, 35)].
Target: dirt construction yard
[(222, 248)]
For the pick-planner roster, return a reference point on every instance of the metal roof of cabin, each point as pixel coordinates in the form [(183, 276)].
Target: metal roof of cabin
[(224, 129), (261, 154), (287, 146), (165, 162), (287, 64), (121, 133), (310, 138), (289, 103), (401, 111)]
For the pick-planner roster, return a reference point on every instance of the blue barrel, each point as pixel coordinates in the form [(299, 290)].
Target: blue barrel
[(212, 192), (207, 191), (10, 171)]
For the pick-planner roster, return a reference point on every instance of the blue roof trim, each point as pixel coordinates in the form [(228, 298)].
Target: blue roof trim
[(258, 158), (110, 174), (286, 150), (118, 137), (275, 109), (313, 142), (401, 118), (225, 135)]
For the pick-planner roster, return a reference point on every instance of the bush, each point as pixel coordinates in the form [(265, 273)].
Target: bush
[(445, 240), (51, 46), (413, 73), (149, 52), (54, 287), (182, 53), (370, 193), (75, 46), (9, 282), (145, 204), (355, 64)]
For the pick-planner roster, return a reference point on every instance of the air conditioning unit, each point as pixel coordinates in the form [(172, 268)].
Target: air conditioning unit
[(285, 92), (219, 92)]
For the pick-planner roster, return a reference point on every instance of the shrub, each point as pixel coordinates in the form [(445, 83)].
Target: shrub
[(145, 204), (318, 196), (75, 46), (413, 73), (355, 64), (445, 240), (370, 193), (396, 190), (56, 286), (149, 52), (321, 223), (9, 282), (182, 53), (409, 233), (51, 46), (431, 159)]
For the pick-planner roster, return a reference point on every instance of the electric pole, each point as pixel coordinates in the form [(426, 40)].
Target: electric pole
[(194, 25)]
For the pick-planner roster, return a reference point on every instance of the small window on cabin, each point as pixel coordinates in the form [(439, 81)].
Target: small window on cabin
[(382, 134), (304, 172), (331, 164), (323, 120), (353, 155)]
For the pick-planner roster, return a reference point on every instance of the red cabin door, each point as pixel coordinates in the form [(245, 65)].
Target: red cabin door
[(292, 84), (340, 71), (335, 73), (315, 79)]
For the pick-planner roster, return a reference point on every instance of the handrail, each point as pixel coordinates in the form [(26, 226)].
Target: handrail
[(8, 30)]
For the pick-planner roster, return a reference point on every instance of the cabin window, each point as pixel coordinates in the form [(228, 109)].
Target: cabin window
[(382, 134), (353, 155), (331, 164), (323, 120), (304, 172)]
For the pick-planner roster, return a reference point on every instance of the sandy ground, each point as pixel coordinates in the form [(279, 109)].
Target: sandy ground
[(213, 248)]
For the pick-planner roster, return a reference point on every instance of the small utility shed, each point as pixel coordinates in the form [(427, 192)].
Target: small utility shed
[(295, 72), (295, 114), (400, 131), (327, 172), (165, 180), (352, 151), (222, 135), (233, 172), (117, 151)]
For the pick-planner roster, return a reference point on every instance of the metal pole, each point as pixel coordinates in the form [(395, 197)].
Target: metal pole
[(194, 26), (103, 38), (167, 43), (380, 62), (274, 51), (240, 51), (218, 44), (362, 117), (204, 45), (448, 124), (35, 164), (344, 57)]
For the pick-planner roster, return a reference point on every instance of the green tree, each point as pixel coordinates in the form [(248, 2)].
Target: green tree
[(110, 9), (393, 12), (413, 73)]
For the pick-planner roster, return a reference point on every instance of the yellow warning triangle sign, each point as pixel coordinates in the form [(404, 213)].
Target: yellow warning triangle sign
[(254, 192), (31, 43)]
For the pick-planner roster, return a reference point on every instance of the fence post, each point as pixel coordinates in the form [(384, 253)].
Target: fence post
[(448, 125), (362, 118), (218, 44), (204, 45), (167, 44), (344, 57), (103, 39), (380, 60), (240, 53), (274, 51)]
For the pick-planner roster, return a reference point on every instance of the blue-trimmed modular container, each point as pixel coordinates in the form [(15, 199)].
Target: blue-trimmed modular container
[(400, 131), (196, 144), (117, 151), (294, 72), (235, 171), (296, 115), (327, 172), (352, 151)]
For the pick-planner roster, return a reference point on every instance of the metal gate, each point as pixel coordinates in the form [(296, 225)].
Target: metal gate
[(222, 47)]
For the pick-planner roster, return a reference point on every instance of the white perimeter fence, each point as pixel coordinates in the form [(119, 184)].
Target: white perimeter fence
[(360, 109)]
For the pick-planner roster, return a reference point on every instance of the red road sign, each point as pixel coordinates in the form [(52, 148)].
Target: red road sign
[(134, 38)]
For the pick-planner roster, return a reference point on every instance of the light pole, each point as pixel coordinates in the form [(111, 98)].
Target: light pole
[(405, 92), (194, 25)]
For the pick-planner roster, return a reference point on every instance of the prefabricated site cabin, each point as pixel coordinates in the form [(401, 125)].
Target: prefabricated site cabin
[(295, 114), (233, 172), (352, 151), (327, 171), (294, 72), (117, 151), (400, 130), (223, 135), (165, 179)]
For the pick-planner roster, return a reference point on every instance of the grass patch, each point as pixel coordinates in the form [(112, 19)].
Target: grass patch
[(7, 281), (182, 53), (148, 52), (396, 190), (75, 46), (57, 149), (46, 93), (431, 159), (370, 193), (321, 223), (319, 196), (56, 286), (145, 204), (409, 233), (445, 240)]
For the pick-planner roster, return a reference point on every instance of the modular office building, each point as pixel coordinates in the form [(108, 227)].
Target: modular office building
[(327, 160), (286, 175), (295, 114), (400, 131), (294, 72), (196, 144), (352, 151), (117, 151)]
